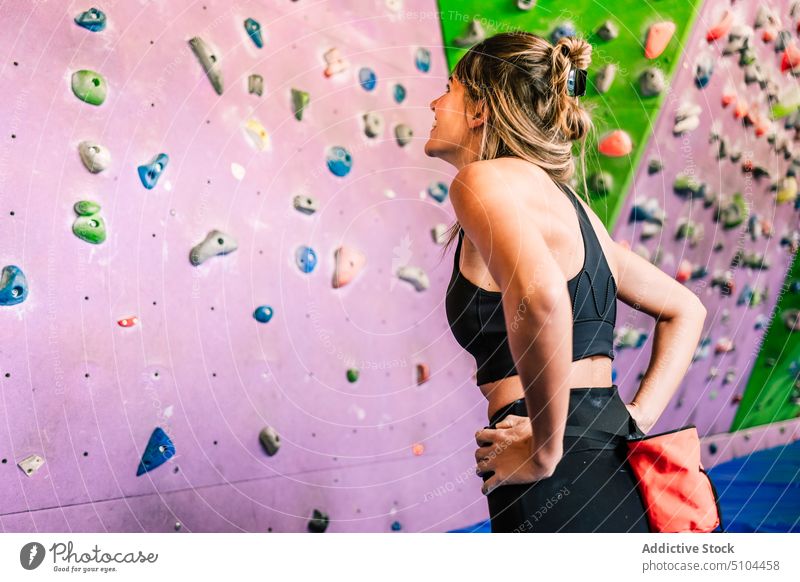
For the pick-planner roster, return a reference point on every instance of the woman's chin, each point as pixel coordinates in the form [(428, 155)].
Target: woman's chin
[(431, 148)]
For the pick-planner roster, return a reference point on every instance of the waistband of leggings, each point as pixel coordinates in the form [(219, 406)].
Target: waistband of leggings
[(580, 391)]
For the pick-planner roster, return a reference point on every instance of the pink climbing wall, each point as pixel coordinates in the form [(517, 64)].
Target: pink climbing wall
[(704, 398), (85, 393)]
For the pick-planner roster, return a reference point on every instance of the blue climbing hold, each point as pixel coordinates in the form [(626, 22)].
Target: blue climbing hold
[(158, 451), (396, 526), (93, 19), (13, 286), (263, 313), (562, 30), (399, 93), (306, 259), (438, 191), (149, 173), (339, 161), (423, 59), (367, 78), (253, 29)]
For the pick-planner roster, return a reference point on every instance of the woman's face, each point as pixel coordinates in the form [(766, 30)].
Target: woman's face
[(450, 131)]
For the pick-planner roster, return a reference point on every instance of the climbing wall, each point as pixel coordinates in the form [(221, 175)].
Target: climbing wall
[(221, 305), (714, 203)]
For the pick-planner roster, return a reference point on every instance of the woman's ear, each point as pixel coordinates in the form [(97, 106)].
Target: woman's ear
[(477, 116)]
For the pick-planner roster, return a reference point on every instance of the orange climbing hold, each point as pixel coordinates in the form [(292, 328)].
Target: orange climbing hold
[(418, 449), (658, 37), (615, 144), (128, 321), (721, 28), (791, 57), (423, 373)]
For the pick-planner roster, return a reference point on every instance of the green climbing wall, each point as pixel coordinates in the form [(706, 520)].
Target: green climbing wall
[(622, 107), (771, 394)]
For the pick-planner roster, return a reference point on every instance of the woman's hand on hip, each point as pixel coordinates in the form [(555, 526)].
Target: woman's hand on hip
[(506, 451)]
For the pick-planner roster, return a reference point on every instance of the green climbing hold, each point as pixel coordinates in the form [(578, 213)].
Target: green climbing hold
[(89, 86), (300, 101), (352, 375), (89, 225)]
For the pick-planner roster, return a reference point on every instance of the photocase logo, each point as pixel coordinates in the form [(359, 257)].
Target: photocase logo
[(31, 555)]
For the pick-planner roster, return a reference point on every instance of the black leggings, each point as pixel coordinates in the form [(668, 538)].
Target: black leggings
[(591, 490)]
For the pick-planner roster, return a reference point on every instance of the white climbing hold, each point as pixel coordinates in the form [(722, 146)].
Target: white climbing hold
[(257, 135), (31, 464), (216, 243), (94, 156), (414, 275), (237, 170)]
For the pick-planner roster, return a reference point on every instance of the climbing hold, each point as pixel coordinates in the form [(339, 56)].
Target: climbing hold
[(352, 375), (647, 210), (396, 524), (403, 133), (86, 208), (348, 263), (790, 59), (601, 182), (791, 319), (562, 30), (255, 85), (738, 39), (721, 28), (732, 212), (208, 59), (652, 82), (608, 30), (93, 19), (319, 522), (89, 227), (159, 450), (687, 118), (128, 321), (31, 464), (658, 37), (728, 96), (335, 61), (253, 29), (414, 275), (367, 78), (417, 449), (689, 230), (89, 86), (373, 123), (306, 258), (13, 286), (300, 101), (423, 373), (399, 93), (257, 135), (615, 144), (178, 526), (787, 190), (654, 166), (150, 173), (703, 69), (688, 186), (752, 74), (474, 35), (339, 161), (263, 313), (740, 110), (765, 17), (215, 244), (438, 191), (394, 5), (605, 77), (95, 157), (439, 232), (422, 59), (238, 171), (784, 39), (270, 440), (306, 204)]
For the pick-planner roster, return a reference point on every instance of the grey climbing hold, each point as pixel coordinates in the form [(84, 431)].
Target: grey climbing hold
[(94, 156), (654, 166), (31, 464), (652, 82), (403, 133), (687, 118), (474, 35), (216, 243), (13, 286), (601, 182), (414, 275), (608, 30), (605, 77), (270, 440), (373, 124), (526, 4), (209, 61), (255, 84), (306, 204)]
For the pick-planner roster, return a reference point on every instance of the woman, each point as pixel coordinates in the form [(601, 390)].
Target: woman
[(528, 283)]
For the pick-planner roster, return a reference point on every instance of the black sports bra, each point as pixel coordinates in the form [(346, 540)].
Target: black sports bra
[(477, 321)]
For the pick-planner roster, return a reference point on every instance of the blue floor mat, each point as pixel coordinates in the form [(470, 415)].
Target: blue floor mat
[(758, 493)]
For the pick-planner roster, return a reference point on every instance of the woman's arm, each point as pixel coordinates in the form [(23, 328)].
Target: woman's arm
[(536, 302), (679, 318)]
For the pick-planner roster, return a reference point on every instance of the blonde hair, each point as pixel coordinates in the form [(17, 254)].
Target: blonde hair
[(522, 80)]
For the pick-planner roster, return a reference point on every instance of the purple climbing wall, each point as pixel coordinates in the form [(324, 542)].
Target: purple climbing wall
[(710, 393), (380, 454)]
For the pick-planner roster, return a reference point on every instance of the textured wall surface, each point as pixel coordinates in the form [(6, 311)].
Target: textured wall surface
[(379, 454)]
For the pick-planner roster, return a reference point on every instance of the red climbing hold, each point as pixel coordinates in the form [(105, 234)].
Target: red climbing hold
[(740, 110), (791, 57), (128, 321), (721, 28), (616, 144), (728, 97), (658, 37)]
